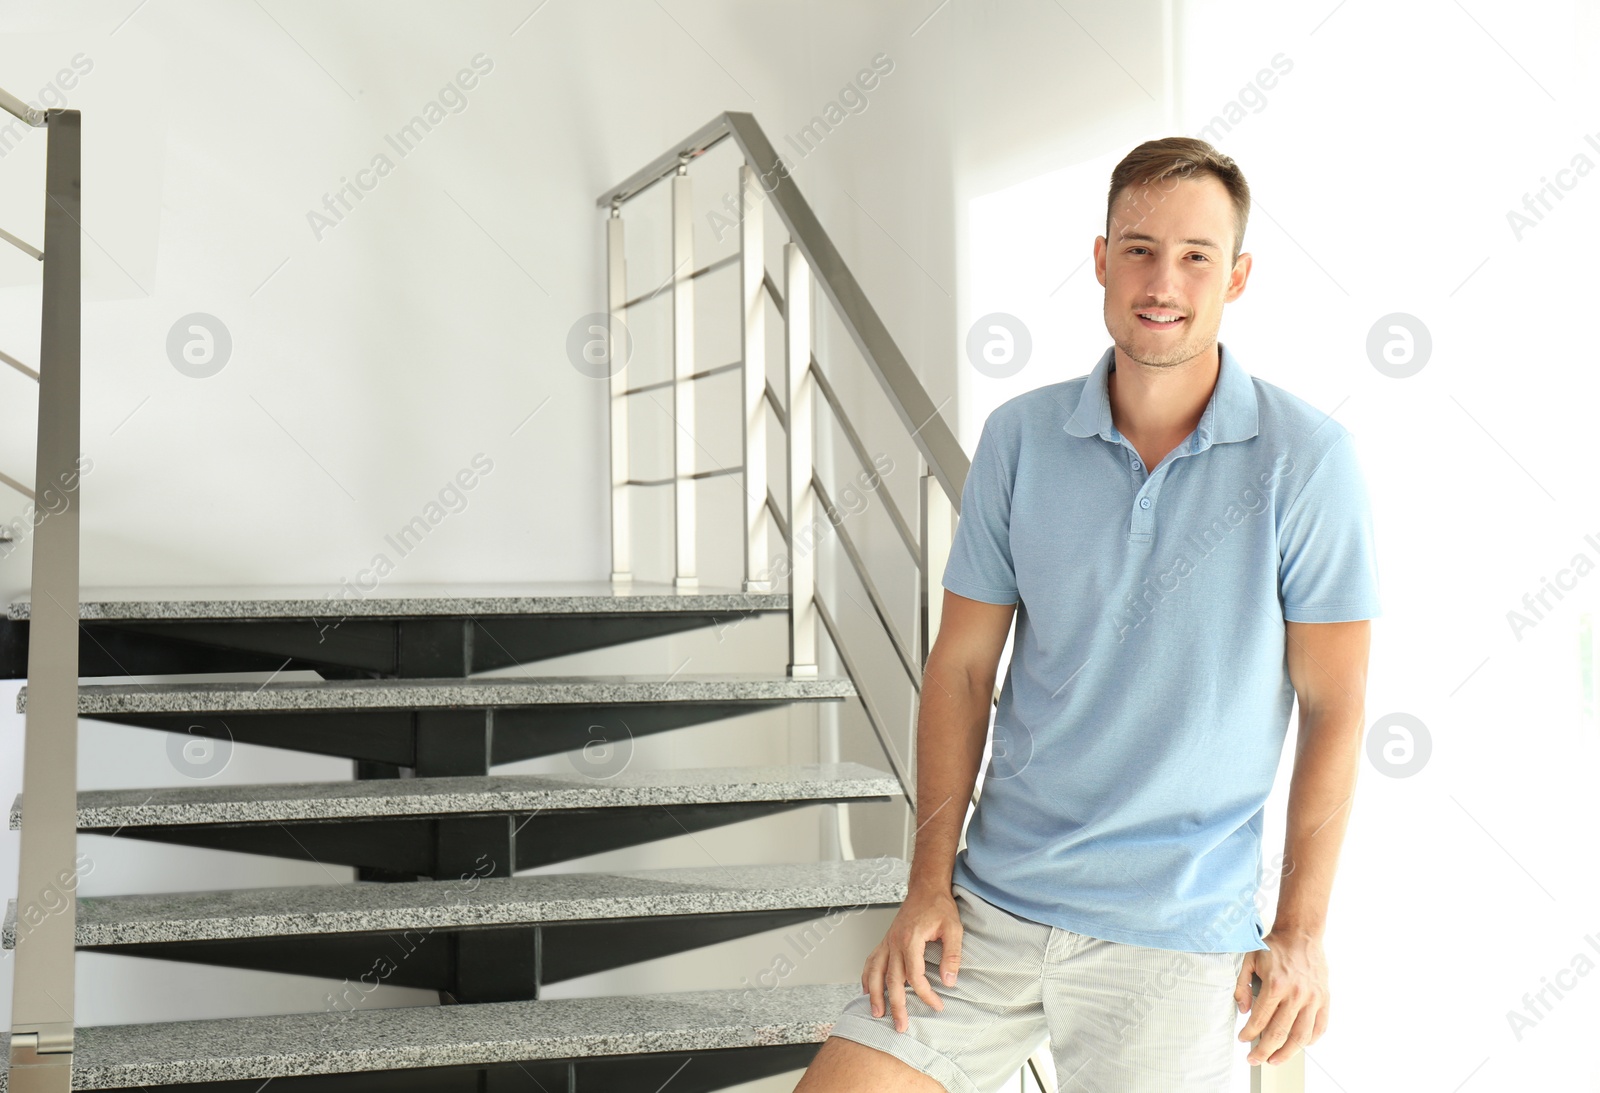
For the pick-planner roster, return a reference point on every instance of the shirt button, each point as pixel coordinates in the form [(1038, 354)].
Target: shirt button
[(1144, 502), (1135, 464)]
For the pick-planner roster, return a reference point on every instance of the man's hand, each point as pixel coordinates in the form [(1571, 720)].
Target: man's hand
[(927, 914), (1292, 1009)]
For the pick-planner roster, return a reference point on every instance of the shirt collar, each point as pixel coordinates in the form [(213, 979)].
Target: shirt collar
[(1230, 414)]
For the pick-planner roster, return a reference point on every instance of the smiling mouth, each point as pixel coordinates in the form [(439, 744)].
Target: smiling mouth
[(1165, 322)]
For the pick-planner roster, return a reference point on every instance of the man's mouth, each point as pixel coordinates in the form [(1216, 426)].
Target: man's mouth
[(1160, 320)]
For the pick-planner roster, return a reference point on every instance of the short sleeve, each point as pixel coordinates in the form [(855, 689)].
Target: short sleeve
[(980, 566), (1328, 570)]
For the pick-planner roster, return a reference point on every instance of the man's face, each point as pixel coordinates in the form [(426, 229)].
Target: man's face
[(1169, 254)]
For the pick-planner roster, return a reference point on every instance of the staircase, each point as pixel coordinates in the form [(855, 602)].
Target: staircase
[(436, 837), (440, 837)]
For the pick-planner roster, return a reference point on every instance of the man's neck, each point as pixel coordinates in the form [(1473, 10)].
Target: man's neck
[(1161, 403)]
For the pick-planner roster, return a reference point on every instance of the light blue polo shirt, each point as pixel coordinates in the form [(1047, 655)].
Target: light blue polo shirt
[(1144, 711)]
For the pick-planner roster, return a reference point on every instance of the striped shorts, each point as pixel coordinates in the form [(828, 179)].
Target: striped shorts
[(1119, 1018)]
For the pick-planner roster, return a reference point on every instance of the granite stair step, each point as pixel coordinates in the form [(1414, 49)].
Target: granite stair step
[(448, 726), (698, 1040), (497, 693), (497, 939), (413, 630), (462, 600), (453, 827)]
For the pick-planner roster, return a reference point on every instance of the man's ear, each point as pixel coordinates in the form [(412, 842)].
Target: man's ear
[(1237, 280)]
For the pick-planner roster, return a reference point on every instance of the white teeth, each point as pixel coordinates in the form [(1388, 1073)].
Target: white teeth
[(1161, 318)]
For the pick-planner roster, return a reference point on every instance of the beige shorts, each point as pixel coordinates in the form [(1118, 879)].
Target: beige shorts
[(1119, 1018)]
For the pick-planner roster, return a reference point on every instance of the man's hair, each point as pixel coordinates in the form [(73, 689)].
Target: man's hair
[(1178, 158)]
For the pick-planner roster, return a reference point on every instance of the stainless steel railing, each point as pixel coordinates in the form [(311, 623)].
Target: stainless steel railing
[(42, 988), (21, 110), (809, 256)]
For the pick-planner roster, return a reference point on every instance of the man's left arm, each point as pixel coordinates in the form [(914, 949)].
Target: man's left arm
[(1327, 664)]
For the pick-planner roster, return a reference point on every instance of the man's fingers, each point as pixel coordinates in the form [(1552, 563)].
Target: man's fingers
[(1298, 1037), (1261, 1011), (951, 961), (873, 978), (897, 992), (902, 957), (919, 978), (1241, 989), (1277, 1031)]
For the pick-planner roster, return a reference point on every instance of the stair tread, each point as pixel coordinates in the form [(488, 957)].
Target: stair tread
[(492, 793), (472, 693), (409, 600), (540, 898), (343, 1042)]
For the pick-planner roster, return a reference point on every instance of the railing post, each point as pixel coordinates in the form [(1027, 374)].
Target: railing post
[(753, 332), (683, 445), (801, 497), (935, 530), (42, 1008), (935, 533), (616, 307)]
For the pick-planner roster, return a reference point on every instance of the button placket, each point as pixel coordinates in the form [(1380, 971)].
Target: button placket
[(1144, 516), (1143, 520), (1135, 461)]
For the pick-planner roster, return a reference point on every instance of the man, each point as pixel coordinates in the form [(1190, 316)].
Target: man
[(1185, 550)]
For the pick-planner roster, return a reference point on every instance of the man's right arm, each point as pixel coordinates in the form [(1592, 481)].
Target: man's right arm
[(952, 726)]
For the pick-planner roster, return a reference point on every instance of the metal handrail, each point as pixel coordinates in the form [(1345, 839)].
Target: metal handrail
[(905, 392), (874, 720), (7, 358), (879, 607), (11, 483), (670, 480), (902, 773), (720, 263), (8, 102), (19, 109), (810, 255), (42, 1009), (23, 245), (731, 366), (853, 438)]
